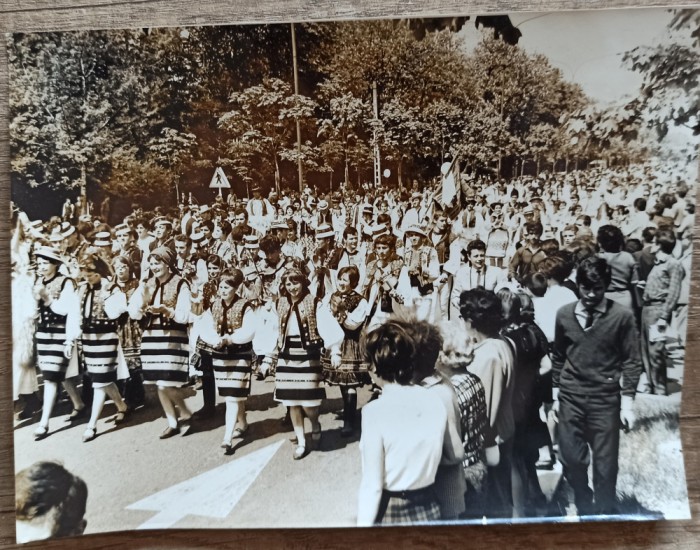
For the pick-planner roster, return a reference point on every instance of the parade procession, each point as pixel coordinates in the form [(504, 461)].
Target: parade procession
[(402, 335)]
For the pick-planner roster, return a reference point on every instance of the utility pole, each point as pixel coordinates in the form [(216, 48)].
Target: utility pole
[(296, 92), (377, 157)]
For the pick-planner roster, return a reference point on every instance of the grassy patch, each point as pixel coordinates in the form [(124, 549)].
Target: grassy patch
[(652, 476)]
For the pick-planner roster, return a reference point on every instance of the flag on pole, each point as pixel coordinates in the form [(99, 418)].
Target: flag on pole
[(448, 196)]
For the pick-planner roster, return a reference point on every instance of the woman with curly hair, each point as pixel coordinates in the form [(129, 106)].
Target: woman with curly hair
[(300, 328), (482, 318)]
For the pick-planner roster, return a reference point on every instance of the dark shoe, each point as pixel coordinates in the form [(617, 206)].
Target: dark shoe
[(238, 433), (121, 416), (169, 432), (187, 426), (77, 414)]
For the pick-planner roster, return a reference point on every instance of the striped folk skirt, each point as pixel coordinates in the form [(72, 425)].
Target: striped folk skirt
[(165, 354), (408, 507), (50, 344), (232, 371), (298, 376), (100, 355), (353, 370)]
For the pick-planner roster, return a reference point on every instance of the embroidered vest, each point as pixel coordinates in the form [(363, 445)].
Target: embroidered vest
[(228, 319), (168, 293), (54, 287), (305, 310), (96, 316), (350, 302)]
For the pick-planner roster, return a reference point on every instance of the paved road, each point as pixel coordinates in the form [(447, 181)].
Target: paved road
[(129, 465)]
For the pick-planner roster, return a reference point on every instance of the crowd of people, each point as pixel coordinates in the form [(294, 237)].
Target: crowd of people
[(521, 320)]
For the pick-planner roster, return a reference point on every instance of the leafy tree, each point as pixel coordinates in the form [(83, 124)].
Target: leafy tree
[(671, 88)]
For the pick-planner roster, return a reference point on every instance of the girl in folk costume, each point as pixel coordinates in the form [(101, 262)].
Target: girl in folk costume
[(301, 327), (228, 325), (57, 329), (101, 305), (351, 311), (129, 332), (202, 301), (163, 305), (422, 267)]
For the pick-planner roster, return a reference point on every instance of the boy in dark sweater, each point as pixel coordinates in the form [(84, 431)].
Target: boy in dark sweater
[(595, 346)]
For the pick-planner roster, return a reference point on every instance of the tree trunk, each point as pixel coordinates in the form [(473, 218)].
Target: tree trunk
[(277, 175), (83, 190), (398, 174), (566, 165)]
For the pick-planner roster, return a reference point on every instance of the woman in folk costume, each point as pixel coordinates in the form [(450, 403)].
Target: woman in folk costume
[(300, 328), (202, 301), (101, 304), (422, 267), (57, 329), (129, 332), (163, 304), (228, 326), (351, 311)]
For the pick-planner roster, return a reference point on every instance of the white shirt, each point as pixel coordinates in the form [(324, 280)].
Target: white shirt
[(547, 306), (403, 433)]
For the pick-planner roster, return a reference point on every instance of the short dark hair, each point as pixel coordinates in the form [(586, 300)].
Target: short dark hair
[(592, 271), (534, 228), (270, 244), (666, 239), (353, 274), (386, 240), (476, 244), (536, 283), (483, 308), (428, 345), (44, 486), (350, 231), (390, 349), (610, 238), (549, 246), (232, 277), (557, 267), (510, 305), (648, 234), (640, 204)]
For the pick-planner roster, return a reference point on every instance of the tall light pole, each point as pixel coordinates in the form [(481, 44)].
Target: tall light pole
[(377, 157), (296, 92)]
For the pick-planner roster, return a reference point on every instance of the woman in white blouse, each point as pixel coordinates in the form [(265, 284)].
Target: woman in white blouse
[(296, 332), (163, 303), (228, 325), (404, 436)]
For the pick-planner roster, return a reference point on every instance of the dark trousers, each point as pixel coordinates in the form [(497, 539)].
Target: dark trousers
[(499, 488), (653, 353), (590, 425)]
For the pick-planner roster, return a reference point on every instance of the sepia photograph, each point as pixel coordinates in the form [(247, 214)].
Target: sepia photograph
[(353, 273)]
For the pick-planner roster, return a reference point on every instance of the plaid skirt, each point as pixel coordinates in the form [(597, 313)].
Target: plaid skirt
[(408, 507)]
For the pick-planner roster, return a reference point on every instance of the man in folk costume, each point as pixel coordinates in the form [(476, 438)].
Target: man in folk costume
[(162, 231), (280, 229), (339, 217), (421, 266), (439, 237), (72, 246), (184, 259), (260, 211), (324, 262), (126, 238), (412, 216), (352, 255), (498, 239), (475, 273), (271, 267), (382, 281), (366, 223)]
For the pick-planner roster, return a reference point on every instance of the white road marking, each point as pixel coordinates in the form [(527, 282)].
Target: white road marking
[(212, 494)]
